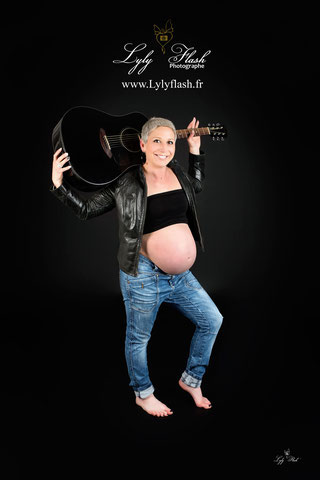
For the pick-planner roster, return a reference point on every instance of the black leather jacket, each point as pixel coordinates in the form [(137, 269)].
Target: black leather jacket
[(129, 195)]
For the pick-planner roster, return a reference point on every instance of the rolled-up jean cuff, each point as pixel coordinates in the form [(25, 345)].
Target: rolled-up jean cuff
[(190, 381), (145, 393)]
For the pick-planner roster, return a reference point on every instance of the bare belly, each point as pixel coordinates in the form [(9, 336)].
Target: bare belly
[(172, 248)]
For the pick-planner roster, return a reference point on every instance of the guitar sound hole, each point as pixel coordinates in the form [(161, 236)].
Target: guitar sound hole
[(130, 140)]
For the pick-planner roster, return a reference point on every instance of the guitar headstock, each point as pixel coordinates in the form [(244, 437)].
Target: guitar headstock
[(217, 131)]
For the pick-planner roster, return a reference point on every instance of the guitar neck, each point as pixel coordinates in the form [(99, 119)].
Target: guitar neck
[(184, 133)]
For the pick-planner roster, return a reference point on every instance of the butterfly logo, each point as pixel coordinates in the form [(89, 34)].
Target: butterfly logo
[(163, 35)]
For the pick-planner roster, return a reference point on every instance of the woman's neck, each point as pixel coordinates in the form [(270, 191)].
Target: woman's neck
[(159, 175)]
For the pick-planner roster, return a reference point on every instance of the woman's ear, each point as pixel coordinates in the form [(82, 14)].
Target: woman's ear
[(142, 145)]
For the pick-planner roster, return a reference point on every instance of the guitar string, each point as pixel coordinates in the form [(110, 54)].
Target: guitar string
[(134, 135), (179, 132), (121, 140), (115, 140)]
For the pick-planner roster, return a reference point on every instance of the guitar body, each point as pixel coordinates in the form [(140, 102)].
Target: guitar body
[(101, 146)]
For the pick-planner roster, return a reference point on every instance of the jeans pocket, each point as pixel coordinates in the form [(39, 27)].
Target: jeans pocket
[(143, 292), (191, 282)]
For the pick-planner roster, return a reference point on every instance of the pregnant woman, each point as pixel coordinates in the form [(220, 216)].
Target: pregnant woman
[(158, 228)]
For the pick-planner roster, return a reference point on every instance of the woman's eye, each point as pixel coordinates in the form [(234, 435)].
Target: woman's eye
[(156, 140)]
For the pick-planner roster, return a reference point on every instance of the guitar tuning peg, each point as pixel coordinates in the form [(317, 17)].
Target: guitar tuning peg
[(209, 124), (213, 138), (222, 139), (217, 124)]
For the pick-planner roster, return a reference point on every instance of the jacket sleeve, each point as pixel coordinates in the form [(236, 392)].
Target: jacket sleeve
[(196, 170), (100, 202)]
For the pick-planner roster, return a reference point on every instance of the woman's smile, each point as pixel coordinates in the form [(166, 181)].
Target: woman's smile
[(161, 156)]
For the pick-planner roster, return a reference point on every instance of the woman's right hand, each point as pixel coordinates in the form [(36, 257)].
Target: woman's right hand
[(57, 167)]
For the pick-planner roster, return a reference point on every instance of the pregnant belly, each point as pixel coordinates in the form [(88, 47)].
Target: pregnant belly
[(172, 248)]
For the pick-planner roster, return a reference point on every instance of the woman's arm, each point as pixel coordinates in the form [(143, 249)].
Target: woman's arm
[(196, 159), (100, 202), (196, 170)]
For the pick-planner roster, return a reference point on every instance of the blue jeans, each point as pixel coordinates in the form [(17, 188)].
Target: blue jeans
[(143, 296)]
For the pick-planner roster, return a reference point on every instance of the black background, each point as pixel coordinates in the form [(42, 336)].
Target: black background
[(67, 407)]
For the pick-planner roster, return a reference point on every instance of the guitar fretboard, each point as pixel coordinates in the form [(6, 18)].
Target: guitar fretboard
[(197, 131)]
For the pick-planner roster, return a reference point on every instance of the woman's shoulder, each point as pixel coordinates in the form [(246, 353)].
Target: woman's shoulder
[(131, 176)]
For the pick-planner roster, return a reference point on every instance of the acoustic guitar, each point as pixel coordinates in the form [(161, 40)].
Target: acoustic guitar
[(102, 147)]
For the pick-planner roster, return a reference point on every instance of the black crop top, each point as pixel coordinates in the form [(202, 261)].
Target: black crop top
[(164, 209)]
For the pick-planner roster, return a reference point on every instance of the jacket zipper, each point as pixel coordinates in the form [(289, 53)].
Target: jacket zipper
[(145, 192), (191, 203)]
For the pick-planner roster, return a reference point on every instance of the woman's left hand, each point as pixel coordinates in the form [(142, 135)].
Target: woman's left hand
[(194, 141)]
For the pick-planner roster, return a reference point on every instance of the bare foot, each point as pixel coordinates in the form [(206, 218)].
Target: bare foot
[(153, 406), (196, 394)]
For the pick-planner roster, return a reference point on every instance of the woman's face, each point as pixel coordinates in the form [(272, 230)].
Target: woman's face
[(160, 147)]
